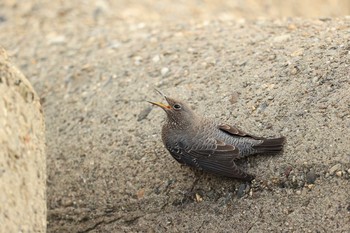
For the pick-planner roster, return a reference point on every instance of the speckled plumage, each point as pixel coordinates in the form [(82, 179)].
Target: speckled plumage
[(208, 145)]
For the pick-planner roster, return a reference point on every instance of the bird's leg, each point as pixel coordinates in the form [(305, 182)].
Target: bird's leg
[(191, 194), (196, 181), (198, 175)]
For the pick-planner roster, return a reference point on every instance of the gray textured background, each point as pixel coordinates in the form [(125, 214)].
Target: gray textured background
[(94, 66)]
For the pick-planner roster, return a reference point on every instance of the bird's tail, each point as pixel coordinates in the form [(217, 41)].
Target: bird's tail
[(272, 146)]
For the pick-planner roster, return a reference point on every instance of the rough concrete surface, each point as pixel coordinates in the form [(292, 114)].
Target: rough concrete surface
[(94, 67), (22, 153)]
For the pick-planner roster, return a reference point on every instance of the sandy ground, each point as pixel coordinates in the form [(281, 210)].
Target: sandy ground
[(108, 171)]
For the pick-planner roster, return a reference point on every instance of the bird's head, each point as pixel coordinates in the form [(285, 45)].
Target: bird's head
[(178, 113)]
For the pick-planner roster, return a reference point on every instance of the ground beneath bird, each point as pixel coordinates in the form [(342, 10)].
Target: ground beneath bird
[(107, 169)]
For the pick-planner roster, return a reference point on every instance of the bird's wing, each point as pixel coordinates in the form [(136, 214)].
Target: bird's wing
[(218, 159), (237, 132)]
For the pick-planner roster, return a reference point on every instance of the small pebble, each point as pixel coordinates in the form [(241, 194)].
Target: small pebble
[(335, 168), (268, 125), (114, 44), (292, 27), (262, 107), (2, 18), (137, 60), (66, 202), (54, 40), (339, 173), (241, 190), (140, 193), (272, 57), (234, 97), (297, 53), (210, 61), (198, 198), (287, 171), (281, 38), (156, 59), (315, 79), (311, 177), (225, 199), (144, 113), (251, 192), (164, 71), (294, 71), (191, 50)]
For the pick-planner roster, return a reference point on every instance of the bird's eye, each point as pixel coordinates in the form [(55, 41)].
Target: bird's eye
[(177, 106)]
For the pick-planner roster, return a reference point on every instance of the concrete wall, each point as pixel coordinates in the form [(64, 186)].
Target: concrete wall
[(22, 153)]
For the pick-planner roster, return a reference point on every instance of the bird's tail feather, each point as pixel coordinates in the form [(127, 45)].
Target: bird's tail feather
[(273, 145)]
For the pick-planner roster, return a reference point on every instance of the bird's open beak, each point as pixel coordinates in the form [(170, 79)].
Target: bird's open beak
[(163, 106)]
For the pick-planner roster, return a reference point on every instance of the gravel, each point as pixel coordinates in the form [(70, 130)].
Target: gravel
[(94, 67)]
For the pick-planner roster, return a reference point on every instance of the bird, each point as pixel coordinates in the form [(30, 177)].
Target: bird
[(208, 144)]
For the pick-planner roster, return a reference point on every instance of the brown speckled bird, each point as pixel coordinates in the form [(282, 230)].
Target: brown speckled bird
[(208, 145)]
